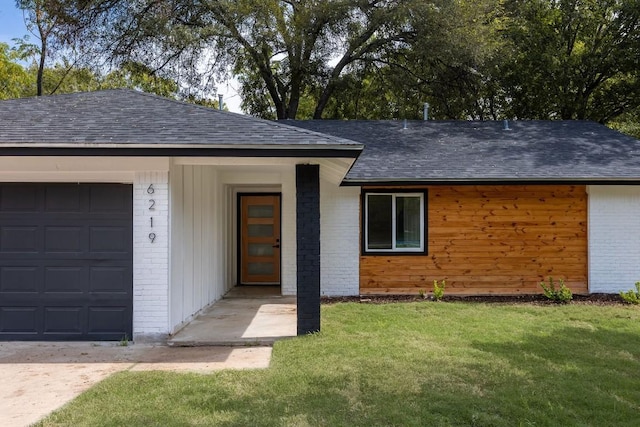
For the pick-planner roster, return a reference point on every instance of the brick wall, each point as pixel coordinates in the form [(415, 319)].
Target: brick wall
[(614, 238), (339, 239), (288, 233), (150, 259)]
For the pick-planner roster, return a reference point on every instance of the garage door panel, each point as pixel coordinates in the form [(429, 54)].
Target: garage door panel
[(20, 279), (19, 198), (65, 279), (63, 320), (64, 239), (19, 320), (110, 279), (111, 320), (66, 261), (109, 239), (63, 199), (109, 199), (20, 239)]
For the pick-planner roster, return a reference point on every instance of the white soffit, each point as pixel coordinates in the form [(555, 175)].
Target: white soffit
[(331, 169)]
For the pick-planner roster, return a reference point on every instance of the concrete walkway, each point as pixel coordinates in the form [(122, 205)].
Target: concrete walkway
[(241, 321), (38, 378)]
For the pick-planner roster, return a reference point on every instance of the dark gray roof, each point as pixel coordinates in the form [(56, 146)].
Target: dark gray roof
[(472, 151), (125, 117)]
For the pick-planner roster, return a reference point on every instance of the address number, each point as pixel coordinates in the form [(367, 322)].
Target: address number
[(152, 207)]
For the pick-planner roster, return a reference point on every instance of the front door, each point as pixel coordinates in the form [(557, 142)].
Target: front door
[(259, 229)]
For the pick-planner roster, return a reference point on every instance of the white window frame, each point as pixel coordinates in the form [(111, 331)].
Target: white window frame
[(394, 196)]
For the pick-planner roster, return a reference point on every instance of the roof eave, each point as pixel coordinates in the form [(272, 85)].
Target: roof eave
[(493, 181), (157, 150)]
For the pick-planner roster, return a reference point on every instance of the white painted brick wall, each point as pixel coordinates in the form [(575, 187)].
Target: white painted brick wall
[(339, 240), (614, 238), (289, 269), (150, 260)]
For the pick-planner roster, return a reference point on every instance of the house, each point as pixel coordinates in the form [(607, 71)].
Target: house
[(125, 214), (494, 207)]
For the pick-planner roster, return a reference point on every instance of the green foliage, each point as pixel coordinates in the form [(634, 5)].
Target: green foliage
[(18, 81), (15, 81), (631, 296), (438, 290), (134, 75), (571, 59), (562, 294), (628, 123), (422, 294), (124, 342)]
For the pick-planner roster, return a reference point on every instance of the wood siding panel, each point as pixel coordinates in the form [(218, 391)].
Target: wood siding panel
[(491, 240)]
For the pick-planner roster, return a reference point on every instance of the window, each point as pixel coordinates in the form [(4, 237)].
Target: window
[(394, 222)]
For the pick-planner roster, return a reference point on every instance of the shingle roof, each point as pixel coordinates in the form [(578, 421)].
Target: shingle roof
[(125, 117), (472, 151)]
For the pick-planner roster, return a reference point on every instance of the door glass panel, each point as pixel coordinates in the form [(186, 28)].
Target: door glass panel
[(260, 230), (260, 249), (260, 211), (260, 268)]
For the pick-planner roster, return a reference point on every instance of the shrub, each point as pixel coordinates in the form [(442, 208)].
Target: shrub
[(438, 290), (563, 294), (632, 297)]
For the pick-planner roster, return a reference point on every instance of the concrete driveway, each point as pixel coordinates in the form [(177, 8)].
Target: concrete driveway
[(37, 378)]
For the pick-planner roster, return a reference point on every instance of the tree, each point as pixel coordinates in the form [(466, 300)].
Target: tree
[(289, 48), (628, 123), (44, 26), (14, 79), (470, 59), (572, 59)]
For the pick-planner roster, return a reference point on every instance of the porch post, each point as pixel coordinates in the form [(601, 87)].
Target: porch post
[(308, 247)]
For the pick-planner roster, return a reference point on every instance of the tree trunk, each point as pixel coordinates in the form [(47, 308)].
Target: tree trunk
[(43, 53)]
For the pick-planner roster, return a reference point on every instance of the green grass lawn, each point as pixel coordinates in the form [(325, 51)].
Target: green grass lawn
[(422, 364)]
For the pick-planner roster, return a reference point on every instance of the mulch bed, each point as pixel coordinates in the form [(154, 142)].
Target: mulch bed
[(590, 299)]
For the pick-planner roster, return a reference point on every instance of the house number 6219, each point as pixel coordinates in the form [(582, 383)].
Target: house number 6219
[(152, 207)]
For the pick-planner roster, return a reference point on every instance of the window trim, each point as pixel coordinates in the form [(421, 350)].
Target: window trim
[(423, 193)]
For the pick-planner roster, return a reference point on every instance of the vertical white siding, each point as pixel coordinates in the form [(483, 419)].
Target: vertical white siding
[(339, 239), (150, 259), (614, 238), (196, 269), (177, 241)]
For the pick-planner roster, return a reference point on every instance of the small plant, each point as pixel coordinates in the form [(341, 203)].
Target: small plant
[(632, 297), (124, 342), (562, 294), (422, 294), (438, 290)]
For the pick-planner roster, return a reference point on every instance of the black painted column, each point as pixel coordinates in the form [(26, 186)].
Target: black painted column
[(308, 247)]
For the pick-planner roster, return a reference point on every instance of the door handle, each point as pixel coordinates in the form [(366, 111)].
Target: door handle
[(277, 245)]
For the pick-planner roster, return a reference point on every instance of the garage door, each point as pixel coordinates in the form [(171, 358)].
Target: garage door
[(65, 261)]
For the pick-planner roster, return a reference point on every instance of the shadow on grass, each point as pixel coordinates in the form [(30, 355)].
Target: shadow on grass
[(573, 375)]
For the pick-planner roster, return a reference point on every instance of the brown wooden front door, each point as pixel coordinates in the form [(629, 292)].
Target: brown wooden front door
[(259, 239)]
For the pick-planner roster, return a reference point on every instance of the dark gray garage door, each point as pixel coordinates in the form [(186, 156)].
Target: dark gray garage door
[(66, 261)]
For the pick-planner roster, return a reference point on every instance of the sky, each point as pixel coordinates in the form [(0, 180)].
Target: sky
[(11, 21), (12, 26)]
